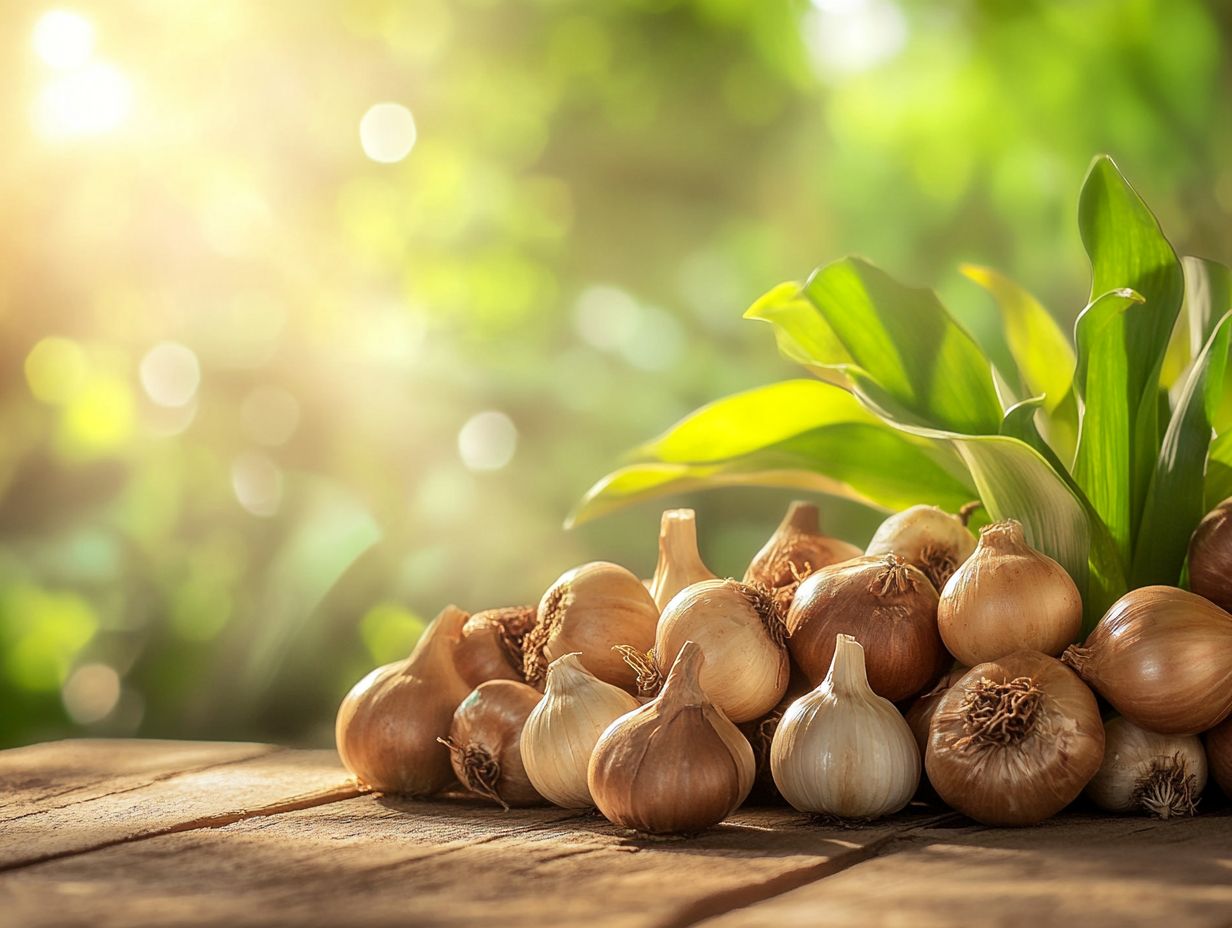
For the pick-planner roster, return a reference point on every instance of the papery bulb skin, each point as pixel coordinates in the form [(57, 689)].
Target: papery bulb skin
[(1015, 740), (491, 645), (561, 732), (889, 606), (919, 715), (1210, 556), (928, 538), (1143, 772), (1008, 597), (760, 734), (592, 609), (741, 631), (680, 564), (795, 550), (841, 749), (1218, 744), (1163, 658), (388, 724), (484, 743), (676, 765)]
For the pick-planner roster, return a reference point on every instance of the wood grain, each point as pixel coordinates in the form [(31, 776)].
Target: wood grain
[(71, 797), (1093, 872)]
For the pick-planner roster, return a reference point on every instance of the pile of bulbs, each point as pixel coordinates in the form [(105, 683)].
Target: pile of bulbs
[(668, 703)]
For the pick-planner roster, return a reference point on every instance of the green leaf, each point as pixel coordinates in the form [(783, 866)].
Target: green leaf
[(1101, 465), (1208, 295), (1042, 351), (1175, 502), (1120, 434), (834, 446), (800, 332), (1015, 481), (1219, 471), (903, 339)]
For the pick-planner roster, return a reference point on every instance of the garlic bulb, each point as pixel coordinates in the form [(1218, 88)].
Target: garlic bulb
[(887, 605), (560, 733), (491, 645), (795, 550), (843, 750), (680, 564), (1163, 658), (389, 723), (591, 609), (1219, 755), (741, 632), (1008, 597), (760, 733), (675, 765), (484, 742), (1210, 556), (1015, 740), (928, 538), (1162, 775)]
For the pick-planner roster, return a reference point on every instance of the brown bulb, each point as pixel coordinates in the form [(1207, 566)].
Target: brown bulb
[(491, 645), (1218, 742), (887, 605), (484, 742), (389, 723), (796, 549), (1210, 556)]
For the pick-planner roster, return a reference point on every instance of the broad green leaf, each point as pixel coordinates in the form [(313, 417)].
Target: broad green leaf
[(754, 419), (800, 332), (1118, 447), (1102, 463), (1015, 481), (1175, 502), (1208, 295), (836, 447), (1042, 351), (1219, 471), (903, 339)]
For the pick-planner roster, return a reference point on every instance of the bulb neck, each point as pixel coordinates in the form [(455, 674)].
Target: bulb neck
[(678, 541), (439, 639), (1003, 536), (564, 673), (847, 674), (802, 518), (683, 685)]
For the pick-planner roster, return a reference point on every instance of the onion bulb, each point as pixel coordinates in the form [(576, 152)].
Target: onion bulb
[(919, 715), (1008, 597), (1162, 775), (795, 550), (1219, 755), (1210, 556), (1015, 740), (1163, 658), (741, 632), (484, 742), (887, 605), (491, 645), (591, 609), (390, 721), (928, 538)]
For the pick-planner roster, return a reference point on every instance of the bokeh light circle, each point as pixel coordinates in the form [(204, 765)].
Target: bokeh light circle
[(170, 374), (387, 132), (487, 441)]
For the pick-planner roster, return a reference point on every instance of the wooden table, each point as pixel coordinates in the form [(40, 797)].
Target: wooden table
[(164, 833)]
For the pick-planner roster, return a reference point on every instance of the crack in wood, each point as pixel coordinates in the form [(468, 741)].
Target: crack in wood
[(749, 894)]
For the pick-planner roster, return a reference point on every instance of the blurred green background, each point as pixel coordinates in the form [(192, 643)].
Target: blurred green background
[(316, 317)]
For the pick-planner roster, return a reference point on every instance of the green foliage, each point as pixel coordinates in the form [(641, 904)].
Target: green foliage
[(1120, 516)]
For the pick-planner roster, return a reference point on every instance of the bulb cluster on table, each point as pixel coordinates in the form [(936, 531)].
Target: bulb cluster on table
[(844, 682)]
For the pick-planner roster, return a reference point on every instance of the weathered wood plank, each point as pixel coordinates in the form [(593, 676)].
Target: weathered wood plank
[(1092, 872), (376, 861), (73, 797)]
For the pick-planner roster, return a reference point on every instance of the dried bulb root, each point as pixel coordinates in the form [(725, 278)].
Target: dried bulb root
[(481, 771), (535, 641), (893, 578), (999, 713), (645, 665), (1169, 790), (768, 609)]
